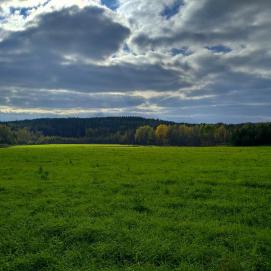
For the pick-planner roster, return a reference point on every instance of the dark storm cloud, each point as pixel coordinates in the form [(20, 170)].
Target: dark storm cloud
[(34, 58), (29, 73), (215, 22), (213, 13), (87, 32)]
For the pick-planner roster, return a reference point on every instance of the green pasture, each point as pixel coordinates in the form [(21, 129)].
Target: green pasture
[(91, 207)]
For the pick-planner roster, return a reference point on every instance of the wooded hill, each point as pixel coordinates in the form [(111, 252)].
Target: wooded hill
[(132, 130), (77, 127)]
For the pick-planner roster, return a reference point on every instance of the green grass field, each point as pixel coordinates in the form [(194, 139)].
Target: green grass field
[(135, 208)]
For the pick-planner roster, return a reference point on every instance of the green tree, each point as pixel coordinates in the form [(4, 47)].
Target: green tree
[(6, 135), (207, 135), (221, 135), (144, 135), (24, 136)]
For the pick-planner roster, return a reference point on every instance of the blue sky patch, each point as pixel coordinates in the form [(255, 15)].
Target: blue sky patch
[(22, 11), (112, 4), (180, 51), (126, 48), (25, 11), (172, 10), (219, 49)]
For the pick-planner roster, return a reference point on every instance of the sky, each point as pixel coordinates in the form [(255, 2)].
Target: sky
[(181, 60)]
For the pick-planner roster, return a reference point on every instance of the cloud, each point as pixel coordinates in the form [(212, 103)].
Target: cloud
[(64, 100), (35, 71), (212, 22), (88, 32), (184, 60), (60, 50)]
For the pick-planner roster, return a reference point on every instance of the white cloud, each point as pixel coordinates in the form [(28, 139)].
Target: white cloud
[(209, 56)]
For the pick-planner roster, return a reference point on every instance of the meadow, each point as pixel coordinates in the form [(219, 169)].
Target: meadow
[(90, 207)]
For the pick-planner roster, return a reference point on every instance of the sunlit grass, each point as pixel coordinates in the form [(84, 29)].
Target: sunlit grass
[(80, 207)]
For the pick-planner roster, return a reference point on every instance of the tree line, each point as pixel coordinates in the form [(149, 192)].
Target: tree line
[(205, 135), (132, 130)]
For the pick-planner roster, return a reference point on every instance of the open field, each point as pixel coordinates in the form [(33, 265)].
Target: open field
[(135, 208)]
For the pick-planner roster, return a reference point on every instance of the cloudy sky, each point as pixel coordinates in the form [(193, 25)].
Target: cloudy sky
[(182, 60)]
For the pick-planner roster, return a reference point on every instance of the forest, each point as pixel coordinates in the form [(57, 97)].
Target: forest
[(132, 131)]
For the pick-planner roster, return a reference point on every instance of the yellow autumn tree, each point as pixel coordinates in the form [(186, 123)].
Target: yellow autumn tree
[(161, 134)]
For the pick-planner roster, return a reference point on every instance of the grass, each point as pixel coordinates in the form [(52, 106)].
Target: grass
[(135, 208)]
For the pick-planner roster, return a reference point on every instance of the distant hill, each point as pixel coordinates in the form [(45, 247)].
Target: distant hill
[(77, 127)]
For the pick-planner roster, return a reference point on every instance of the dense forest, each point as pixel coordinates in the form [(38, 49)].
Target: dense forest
[(132, 130)]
